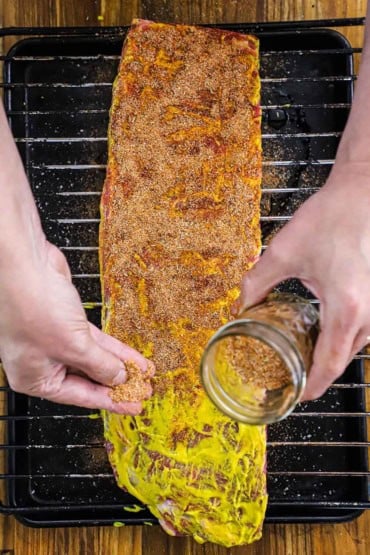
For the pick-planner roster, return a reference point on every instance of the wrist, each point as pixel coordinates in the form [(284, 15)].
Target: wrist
[(353, 155), (22, 239), (21, 234), (351, 176), (353, 149)]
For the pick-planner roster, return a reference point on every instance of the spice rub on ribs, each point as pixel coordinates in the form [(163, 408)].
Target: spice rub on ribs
[(180, 225)]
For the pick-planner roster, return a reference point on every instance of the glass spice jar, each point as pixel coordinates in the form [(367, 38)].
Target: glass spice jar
[(254, 368)]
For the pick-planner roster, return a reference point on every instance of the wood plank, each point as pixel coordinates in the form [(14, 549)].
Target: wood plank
[(349, 538)]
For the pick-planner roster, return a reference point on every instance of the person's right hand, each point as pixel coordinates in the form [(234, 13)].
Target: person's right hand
[(47, 346)]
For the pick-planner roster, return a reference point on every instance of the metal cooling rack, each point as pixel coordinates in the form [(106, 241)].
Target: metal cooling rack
[(57, 91)]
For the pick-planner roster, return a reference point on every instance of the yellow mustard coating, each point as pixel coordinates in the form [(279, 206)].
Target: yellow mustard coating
[(215, 474), (133, 508)]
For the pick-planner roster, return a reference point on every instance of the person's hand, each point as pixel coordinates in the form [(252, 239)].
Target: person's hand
[(47, 346), (327, 246)]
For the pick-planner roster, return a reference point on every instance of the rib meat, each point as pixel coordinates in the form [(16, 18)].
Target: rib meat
[(180, 225)]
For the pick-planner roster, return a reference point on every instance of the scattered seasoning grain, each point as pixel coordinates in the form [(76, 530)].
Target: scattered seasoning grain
[(136, 388)]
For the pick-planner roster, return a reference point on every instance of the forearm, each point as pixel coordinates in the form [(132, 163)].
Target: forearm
[(20, 228), (354, 147)]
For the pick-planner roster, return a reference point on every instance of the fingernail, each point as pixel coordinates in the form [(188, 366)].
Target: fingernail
[(150, 368), (237, 308), (148, 391), (121, 377)]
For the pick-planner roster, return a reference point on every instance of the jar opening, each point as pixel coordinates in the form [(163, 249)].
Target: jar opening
[(253, 372)]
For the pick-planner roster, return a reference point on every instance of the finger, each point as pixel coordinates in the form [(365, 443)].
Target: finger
[(98, 363), (360, 342), (332, 352), (259, 280), (59, 261), (122, 351), (76, 390)]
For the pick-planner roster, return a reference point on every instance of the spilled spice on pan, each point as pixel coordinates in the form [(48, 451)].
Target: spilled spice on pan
[(137, 386)]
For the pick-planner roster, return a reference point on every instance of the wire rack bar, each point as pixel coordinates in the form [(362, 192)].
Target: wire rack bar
[(264, 107), (298, 79), (76, 507), (68, 166), (278, 163), (89, 445), (268, 163), (318, 414), (78, 193), (116, 57), (77, 248), (110, 476), (279, 136), (86, 276), (265, 191)]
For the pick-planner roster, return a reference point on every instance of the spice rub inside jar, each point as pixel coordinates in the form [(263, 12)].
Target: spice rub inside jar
[(246, 360)]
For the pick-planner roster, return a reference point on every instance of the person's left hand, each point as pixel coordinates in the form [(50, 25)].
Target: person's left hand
[(327, 246)]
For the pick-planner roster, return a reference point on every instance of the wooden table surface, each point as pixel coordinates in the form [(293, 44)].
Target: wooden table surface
[(342, 539)]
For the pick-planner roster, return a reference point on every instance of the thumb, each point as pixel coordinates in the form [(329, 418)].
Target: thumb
[(268, 271)]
